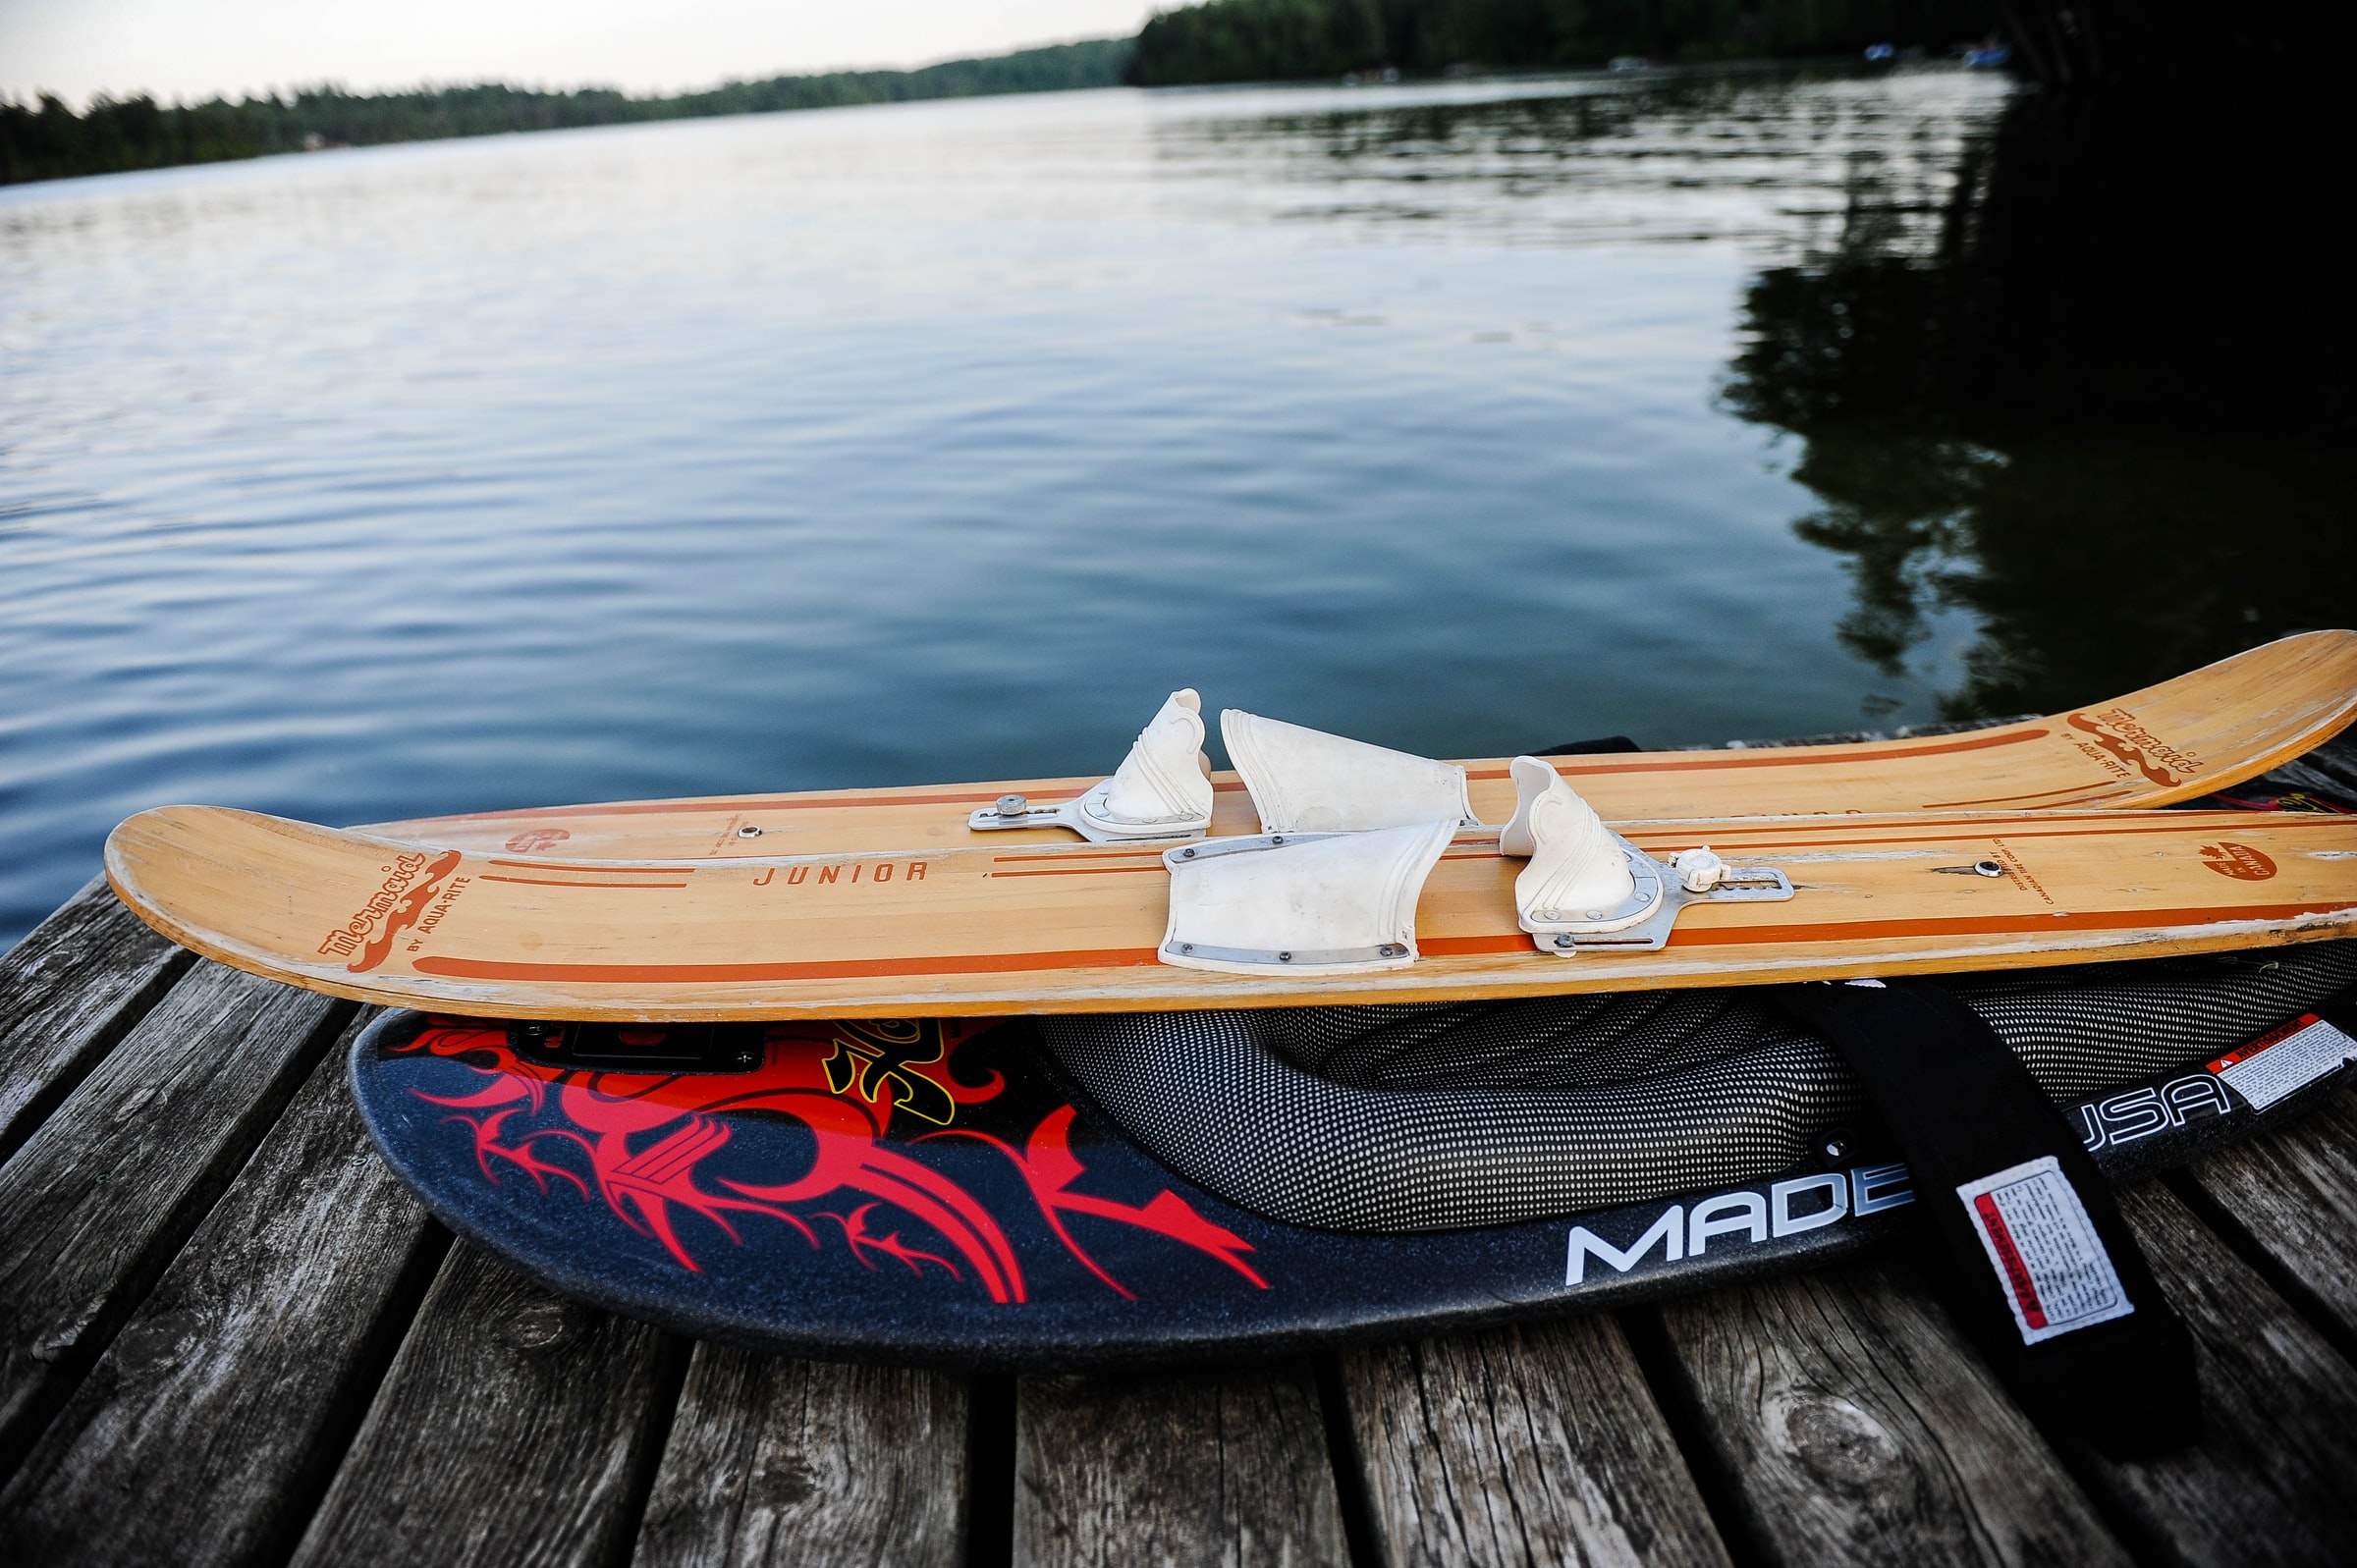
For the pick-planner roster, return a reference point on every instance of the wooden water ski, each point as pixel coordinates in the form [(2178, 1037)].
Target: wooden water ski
[(2174, 741), (1020, 929)]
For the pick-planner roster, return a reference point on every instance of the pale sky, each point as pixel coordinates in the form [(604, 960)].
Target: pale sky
[(192, 49)]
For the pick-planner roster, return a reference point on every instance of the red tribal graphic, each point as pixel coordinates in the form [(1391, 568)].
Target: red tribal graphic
[(646, 1134)]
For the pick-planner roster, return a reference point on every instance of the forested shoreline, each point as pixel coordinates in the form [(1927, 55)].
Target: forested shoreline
[(48, 140), (1247, 40), (1224, 41)]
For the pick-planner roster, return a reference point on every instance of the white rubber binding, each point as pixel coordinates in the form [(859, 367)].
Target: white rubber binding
[(1306, 780), (1301, 903), (1534, 778), (1587, 887), (1161, 790), (1578, 876)]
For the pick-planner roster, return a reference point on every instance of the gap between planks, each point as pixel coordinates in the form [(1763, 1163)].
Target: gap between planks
[(101, 1196), (513, 1426), (2142, 1498), (230, 1394), (2285, 1204), (1223, 1464), (68, 992)]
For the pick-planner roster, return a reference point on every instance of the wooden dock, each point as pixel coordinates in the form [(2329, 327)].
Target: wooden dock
[(230, 1337)]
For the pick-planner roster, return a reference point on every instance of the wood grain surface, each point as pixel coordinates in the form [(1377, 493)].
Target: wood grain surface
[(784, 1462), (976, 931), (68, 992), (514, 1429), (102, 1195), (2268, 1481), (1224, 1466), (2292, 1196), (222, 1405), (216, 1350), (1532, 1444), (2182, 738), (1856, 1428)]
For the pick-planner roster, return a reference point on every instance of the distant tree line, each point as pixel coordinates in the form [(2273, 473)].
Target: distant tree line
[(1243, 40), (1224, 41), (47, 140)]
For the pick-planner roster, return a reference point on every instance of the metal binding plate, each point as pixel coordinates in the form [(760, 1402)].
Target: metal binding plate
[(1242, 845), (1016, 811), (1388, 952), (1647, 928)]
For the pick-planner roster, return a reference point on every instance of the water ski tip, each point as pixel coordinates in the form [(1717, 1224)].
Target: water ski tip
[(266, 894)]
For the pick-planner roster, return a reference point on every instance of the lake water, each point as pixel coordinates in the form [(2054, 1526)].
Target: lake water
[(939, 441)]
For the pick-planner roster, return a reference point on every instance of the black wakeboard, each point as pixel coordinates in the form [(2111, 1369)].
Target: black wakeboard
[(941, 1193)]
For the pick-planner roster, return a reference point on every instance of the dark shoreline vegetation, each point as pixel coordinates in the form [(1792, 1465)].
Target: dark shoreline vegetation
[(50, 141), (2091, 412), (1247, 40), (1226, 40)]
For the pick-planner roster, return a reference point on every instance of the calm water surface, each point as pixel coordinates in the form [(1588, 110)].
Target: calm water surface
[(940, 441)]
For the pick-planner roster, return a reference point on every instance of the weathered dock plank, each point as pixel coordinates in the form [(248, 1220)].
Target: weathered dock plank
[(1532, 1444), (1857, 1428), (68, 992), (205, 1273), (104, 1193), (1224, 1464), (514, 1428), (2268, 1481), (778, 1460), (2294, 1197), (223, 1402)]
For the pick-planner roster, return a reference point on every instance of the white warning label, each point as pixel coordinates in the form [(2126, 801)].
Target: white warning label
[(2056, 1275), (2288, 1059)]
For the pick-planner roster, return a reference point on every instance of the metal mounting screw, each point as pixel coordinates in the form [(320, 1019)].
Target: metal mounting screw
[(1391, 949), (1275, 837), (1013, 805), (1565, 939), (1988, 868), (1187, 854), (1284, 957), (749, 830), (1834, 1146)]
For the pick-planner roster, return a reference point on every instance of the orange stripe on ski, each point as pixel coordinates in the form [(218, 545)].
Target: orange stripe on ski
[(660, 808), (1994, 925), (557, 882), (1787, 756), (2012, 802), (723, 974), (1433, 947), (569, 866), (2256, 825)]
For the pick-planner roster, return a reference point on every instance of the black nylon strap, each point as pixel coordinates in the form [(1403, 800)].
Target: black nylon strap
[(1965, 1108)]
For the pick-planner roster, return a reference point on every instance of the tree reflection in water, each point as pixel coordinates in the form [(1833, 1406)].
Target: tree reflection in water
[(2107, 412)]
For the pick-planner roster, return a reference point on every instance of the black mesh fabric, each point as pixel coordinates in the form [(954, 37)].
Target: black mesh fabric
[(1435, 1117)]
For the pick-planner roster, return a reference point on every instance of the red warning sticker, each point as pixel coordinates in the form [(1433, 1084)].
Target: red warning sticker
[(2056, 1275), (2284, 1060)]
